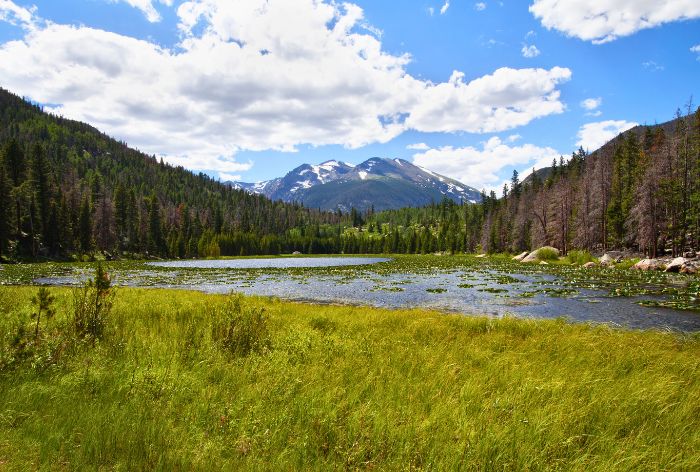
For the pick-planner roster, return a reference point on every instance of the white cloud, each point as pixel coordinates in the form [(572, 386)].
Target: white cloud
[(479, 168), (418, 147), (513, 138), (431, 11), (696, 49), (591, 136), (147, 8), (260, 75), (480, 6), (12, 13), (601, 21), (224, 177), (591, 104), (530, 51), (653, 66), (503, 100), (444, 8)]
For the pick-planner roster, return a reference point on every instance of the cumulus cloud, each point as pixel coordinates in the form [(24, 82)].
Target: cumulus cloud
[(480, 6), (591, 136), (601, 21), (444, 8), (591, 104), (479, 168), (259, 75), (418, 147), (147, 8), (506, 99), (530, 51)]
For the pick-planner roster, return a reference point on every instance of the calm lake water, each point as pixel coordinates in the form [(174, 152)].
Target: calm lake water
[(469, 291), (271, 263)]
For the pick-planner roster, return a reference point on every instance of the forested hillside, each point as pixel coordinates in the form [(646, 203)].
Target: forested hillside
[(641, 192), (66, 188)]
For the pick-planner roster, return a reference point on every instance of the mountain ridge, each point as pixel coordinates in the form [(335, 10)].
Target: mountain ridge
[(379, 183)]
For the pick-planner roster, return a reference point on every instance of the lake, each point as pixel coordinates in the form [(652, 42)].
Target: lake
[(453, 284)]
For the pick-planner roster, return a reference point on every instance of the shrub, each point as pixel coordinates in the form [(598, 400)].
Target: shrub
[(43, 301), (241, 330), (547, 254), (92, 304), (579, 257)]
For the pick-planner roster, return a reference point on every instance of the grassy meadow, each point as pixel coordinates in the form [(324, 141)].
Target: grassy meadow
[(186, 381)]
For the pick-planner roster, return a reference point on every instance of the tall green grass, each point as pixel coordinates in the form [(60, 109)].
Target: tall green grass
[(579, 257), (335, 387)]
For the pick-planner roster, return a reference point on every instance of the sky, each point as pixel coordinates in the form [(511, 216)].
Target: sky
[(249, 89)]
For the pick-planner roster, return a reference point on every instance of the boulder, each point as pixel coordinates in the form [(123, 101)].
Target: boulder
[(606, 260), (481, 255), (690, 267), (544, 263), (534, 255), (588, 265), (676, 264), (520, 256), (648, 264)]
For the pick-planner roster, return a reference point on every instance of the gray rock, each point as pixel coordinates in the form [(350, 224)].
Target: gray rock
[(606, 260), (648, 264), (588, 265), (676, 264), (690, 267), (520, 256)]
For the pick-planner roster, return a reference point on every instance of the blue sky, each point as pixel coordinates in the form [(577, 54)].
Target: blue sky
[(250, 89)]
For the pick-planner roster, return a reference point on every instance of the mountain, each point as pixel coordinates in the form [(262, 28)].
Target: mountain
[(377, 182)]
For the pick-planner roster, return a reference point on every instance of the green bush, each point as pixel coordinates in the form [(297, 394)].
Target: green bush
[(547, 254), (241, 330), (580, 257), (92, 304)]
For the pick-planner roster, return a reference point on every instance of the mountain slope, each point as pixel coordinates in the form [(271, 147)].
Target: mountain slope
[(377, 182), (67, 188)]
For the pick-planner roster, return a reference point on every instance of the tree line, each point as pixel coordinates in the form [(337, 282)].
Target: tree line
[(66, 189), (640, 192)]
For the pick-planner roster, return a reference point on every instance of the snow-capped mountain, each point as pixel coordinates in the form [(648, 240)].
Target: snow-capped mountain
[(378, 182)]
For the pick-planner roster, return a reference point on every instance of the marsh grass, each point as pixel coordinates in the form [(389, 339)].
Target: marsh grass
[(579, 257), (348, 388), (547, 254)]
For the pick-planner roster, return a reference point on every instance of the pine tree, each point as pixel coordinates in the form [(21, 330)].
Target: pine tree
[(5, 210), (39, 178), (155, 231), (85, 226)]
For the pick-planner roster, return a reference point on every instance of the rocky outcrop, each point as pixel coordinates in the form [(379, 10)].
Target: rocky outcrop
[(690, 267), (648, 264), (676, 264), (606, 260), (588, 265), (520, 256), (534, 256)]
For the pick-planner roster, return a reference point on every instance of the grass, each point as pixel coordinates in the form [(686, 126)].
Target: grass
[(579, 257), (336, 387), (547, 254)]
